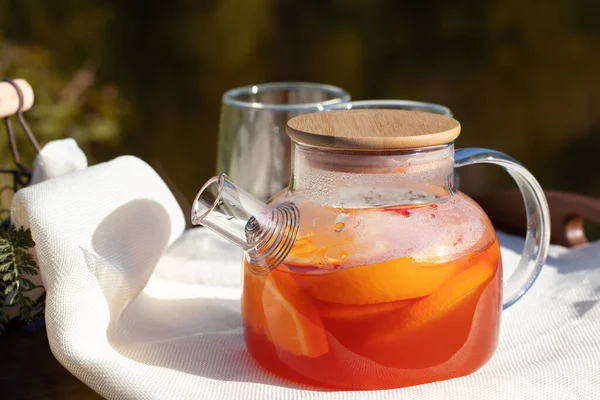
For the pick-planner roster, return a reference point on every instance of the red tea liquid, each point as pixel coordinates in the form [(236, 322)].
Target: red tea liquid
[(384, 324)]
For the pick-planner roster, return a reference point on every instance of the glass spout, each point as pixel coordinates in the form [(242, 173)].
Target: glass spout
[(266, 233)]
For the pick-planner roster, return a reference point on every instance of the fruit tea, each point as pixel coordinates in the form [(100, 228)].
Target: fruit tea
[(373, 298)]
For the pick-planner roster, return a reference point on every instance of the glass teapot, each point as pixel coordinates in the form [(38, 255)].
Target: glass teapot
[(370, 270)]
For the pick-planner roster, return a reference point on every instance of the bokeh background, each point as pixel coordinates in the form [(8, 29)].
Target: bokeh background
[(145, 77)]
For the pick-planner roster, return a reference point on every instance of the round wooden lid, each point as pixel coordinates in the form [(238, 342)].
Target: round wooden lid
[(372, 129)]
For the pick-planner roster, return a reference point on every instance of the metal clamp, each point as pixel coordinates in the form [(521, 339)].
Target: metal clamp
[(21, 174)]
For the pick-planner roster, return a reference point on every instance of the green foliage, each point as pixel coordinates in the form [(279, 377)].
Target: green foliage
[(67, 104), (55, 47), (520, 76), (17, 267)]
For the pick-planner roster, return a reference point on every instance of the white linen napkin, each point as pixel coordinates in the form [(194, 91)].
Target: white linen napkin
[(139, 309)]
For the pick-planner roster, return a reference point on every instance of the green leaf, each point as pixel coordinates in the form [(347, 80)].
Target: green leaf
[(26, 285), (5, 266), (17, 266)]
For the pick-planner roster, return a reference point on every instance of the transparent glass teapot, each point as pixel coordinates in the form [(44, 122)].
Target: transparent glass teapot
[(370, 271)]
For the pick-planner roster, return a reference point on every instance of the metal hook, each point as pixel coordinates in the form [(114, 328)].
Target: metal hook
[(22, 175), (21, 118)]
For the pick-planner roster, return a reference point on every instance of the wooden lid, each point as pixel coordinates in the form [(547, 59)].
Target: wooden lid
[(372, 129)]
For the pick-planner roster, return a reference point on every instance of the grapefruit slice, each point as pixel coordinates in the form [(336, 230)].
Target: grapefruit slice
[(292, 320), (435, 304), (358, 312), (387, 281), (432, 329), (252, 307)]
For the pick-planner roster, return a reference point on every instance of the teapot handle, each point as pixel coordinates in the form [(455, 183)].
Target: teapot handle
[(537, 239)]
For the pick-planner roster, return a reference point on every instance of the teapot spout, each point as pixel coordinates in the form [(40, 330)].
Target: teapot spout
[(266, 233)]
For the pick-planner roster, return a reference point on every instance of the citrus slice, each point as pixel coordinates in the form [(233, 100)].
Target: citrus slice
[(358, 312), (292, 320), (252, 307), (432, 329), (305, 253), (448, 294), (387, 281)]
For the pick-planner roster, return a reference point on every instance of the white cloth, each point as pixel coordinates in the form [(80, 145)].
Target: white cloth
[(57, 158), (135, 322)]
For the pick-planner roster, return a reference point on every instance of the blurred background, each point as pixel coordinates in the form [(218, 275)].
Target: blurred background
[(146, 77)]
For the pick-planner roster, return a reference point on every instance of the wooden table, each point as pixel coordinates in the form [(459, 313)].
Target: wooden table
[(28, 370)]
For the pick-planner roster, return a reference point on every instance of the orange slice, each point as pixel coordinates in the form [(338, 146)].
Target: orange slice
[(448, 294), (388, 281), (433, 328), (304, 252), (252, 307), (358, 312), (292, 320)]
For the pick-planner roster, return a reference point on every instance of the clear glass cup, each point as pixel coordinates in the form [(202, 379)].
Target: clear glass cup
[(253, 148), (394, 104)]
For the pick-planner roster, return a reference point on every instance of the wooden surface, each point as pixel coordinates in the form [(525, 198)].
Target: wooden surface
[(28, 370), (372, 129), (9, 100)]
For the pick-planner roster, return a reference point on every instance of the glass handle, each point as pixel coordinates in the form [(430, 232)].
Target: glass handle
[(537, 239)]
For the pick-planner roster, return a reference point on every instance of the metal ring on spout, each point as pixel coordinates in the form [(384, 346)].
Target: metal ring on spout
[(275, 241)]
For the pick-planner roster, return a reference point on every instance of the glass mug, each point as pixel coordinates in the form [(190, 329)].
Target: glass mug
[(370, 271), (398, 105), (393, 105), (253, 148)]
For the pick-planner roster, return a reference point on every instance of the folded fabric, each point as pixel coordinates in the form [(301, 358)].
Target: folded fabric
[(139, 309), (56, 158)]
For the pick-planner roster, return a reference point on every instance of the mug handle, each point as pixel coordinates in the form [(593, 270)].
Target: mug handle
[(537, 239)]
